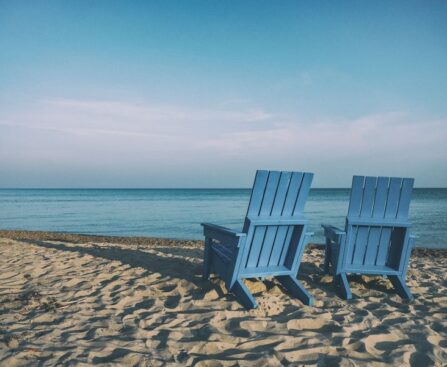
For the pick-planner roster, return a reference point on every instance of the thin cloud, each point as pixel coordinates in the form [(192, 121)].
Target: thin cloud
[(148, 112), (121, 134)]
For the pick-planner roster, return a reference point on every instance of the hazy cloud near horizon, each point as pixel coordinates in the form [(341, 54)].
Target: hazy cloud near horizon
[(141, 145), (108, 99)]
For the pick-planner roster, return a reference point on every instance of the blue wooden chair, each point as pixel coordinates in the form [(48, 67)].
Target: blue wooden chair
[(271, 242), (377, 238)]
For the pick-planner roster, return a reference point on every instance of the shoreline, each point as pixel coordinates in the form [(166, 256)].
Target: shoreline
[(142, 240)]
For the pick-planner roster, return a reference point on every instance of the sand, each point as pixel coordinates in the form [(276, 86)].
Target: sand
[(83, 300)]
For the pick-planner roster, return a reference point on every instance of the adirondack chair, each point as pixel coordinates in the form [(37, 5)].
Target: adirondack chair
[(271, 242), (377, 238)]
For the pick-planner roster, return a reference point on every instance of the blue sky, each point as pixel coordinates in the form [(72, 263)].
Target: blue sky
[(203, 93)]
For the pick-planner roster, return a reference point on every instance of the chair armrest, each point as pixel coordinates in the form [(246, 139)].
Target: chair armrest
[(281, 221), (221, 229), (414, 236), (222, 234), (333, 233)]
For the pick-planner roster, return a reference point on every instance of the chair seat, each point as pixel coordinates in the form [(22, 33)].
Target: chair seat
[(371, 269), (264, 271)]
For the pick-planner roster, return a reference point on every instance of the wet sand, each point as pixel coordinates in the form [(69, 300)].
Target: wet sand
[(82, 300)]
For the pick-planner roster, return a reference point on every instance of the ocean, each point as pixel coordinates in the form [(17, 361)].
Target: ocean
[(177, 213)]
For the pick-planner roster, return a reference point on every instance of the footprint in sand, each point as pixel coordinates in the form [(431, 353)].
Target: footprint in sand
[(255, 325), (212, 295), (145, 304), (172, 302), (110, 355), (437, 341), (308, 324), (377, 344), (11, 341), (233, 327), (168, 288)]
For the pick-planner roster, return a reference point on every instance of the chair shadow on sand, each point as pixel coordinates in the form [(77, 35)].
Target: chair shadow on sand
[(178, 262), (185, 263)]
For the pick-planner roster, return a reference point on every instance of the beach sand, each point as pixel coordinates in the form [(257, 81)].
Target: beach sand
[(82, 300)]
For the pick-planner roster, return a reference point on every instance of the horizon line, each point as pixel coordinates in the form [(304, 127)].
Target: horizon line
[(175, 188)]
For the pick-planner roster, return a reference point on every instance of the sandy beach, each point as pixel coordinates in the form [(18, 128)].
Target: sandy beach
[(82, 300)]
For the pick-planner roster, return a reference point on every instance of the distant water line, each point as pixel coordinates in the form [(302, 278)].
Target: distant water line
[(177, 213)]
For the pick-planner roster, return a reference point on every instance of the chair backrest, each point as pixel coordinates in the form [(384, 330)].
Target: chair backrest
[(275, 219), (377, 220)]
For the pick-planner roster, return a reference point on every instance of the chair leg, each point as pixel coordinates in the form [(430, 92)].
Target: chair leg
[(207, 259), (400, 286), (296, 289), (327, 256), (342, 281), (243, 295)]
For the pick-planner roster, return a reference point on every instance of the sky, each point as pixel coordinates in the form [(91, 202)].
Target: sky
[(203, 93)]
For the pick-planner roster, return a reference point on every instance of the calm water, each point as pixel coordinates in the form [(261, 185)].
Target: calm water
[(177, 213)]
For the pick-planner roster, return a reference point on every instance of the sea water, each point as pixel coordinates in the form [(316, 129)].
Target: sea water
[(177, 213)]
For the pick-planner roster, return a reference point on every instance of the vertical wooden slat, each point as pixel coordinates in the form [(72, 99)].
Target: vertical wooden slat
[(381, 197), (396, 244), (369, 192), (278, 206), (266, 250), (292, 249), (405, 198), (360, 245), (295, 184), (346, 252), (269, 194), (350, 251), (355, 201), (382, 250), (258, 238), (365, 212), (283, 188), (283, 238), (297, 194), (302, 194), (257, 194), (247, 246), (390, 210), (392, 205), (401, 250), (278, 245), (301, 240), (264, 210), (406, 252), (393, 197), (378, 212), (285, 246)]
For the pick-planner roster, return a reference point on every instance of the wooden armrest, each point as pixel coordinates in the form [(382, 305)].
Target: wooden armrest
[(221, 229), (333, 233), (222, 234), (378, 222), (281, 221)]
